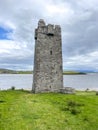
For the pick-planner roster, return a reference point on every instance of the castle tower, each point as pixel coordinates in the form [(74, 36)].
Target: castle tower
[(48, 76)]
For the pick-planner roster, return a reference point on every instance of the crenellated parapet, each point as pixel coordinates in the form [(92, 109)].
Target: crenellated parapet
[(50, 29)]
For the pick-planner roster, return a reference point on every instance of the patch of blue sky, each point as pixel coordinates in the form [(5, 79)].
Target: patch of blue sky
[(4, 33)]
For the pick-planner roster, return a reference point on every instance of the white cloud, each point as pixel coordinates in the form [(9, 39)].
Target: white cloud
[(14, 55), (79, 22), (88, 61)]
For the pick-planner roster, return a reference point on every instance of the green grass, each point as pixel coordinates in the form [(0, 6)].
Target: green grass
[(22, 110)]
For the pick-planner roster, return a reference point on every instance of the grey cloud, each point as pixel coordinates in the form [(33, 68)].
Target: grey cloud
[(81, 36), (17, 62), (79, 27)]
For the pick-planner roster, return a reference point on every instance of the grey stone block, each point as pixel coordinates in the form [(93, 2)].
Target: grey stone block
[(67, 90)]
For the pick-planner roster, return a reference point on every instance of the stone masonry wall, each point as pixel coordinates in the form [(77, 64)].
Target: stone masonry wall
[(48, 75)]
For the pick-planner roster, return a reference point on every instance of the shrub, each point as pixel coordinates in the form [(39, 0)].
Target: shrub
[(73, 104), (75, 111), (13, 88), (87, 90), (73, 107), (97, 93)]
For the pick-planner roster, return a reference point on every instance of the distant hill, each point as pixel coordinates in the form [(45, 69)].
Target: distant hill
[(72, 72), (7, 71)]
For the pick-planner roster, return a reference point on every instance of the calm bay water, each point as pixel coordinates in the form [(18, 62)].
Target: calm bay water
[(80, 82)]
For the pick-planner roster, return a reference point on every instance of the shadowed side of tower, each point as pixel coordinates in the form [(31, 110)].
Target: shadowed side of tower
[(48, 76)]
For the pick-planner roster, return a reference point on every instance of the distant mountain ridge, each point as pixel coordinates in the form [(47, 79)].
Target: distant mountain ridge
[(72, 72), (65, 72), (7, 71), (3, 71)]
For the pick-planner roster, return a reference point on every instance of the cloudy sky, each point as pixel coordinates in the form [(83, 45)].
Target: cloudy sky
[(79, 23)]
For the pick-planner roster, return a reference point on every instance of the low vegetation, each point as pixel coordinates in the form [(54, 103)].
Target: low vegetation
[(7, 71), (72, 73), (22, 110)]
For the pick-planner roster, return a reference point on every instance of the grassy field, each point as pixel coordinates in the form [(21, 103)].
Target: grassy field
[(22, 110)]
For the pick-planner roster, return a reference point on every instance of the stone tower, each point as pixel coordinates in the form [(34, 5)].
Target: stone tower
[(48, 76)]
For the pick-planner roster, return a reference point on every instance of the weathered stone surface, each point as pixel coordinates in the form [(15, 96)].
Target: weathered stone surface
[(41, 23), (50, 30), (67, 90), (48, 75)]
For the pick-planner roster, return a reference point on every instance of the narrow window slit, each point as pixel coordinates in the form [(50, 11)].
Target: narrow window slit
[(50, 52)]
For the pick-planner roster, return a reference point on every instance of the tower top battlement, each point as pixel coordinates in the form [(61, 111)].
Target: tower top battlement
[(41, 23), (49, 29)]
